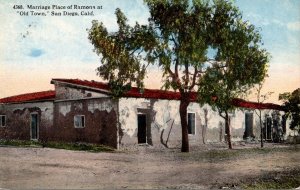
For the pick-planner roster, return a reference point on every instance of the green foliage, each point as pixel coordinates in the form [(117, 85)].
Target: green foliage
[(121, 64), (174, 38), (180, 31), (239, 62), (292, 107), (177, 39)]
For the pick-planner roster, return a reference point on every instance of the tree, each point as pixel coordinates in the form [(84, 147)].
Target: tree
[(260, 99), (239, 63), (292, 107), (177, 40)]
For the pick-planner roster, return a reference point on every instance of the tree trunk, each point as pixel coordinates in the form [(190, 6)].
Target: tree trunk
[(227, 130), (184, 102), (261, 130)]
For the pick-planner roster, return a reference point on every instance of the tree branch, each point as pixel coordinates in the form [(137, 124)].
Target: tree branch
[(133, 51), (170, 71), (176, 67), (194, 79), (220, 114), (186, 82), (173, 40)]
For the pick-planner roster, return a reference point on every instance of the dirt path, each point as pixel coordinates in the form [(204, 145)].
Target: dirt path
[(44, 168)]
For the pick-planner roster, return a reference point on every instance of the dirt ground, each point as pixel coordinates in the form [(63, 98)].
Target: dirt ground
[(209, 166)]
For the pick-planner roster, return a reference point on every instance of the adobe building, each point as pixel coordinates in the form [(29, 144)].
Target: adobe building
[(85, 111)]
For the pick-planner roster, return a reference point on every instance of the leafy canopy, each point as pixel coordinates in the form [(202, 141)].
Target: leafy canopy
[(122, 62), (178, 38), (239, 62), (175, 39)]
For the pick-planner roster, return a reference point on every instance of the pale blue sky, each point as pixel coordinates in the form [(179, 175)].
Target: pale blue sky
[(279, 21), (36, 49)]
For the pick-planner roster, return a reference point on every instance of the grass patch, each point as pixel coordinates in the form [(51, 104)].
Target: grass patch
[(215, 156), (58, 145), (20, 143), (79, 146), (212, 156), (278, 180)]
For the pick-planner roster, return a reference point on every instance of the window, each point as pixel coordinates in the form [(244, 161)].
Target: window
[(2, 120), (191, 123), (79, 121)]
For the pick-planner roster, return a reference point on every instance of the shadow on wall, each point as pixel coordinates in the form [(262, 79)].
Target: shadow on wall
[(100, 126)]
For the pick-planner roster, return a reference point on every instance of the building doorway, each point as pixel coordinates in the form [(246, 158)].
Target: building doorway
[(34, 127), (268, 128), (248, 126), (142, 128)]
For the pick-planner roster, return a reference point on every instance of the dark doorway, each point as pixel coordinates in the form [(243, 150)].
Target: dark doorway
[(248, 126), (142, 128), (191, 123), (34, 126), (269, 128), (283, 123)]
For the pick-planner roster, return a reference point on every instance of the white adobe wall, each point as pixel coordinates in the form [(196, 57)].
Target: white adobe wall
[(163, 114), (160, 113), (64, 92), (64, 107), (18, 120), (256, 125), (164, 109), (45, 107)]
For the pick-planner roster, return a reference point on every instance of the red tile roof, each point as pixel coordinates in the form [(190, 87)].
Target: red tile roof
[(254, 105), (85, 83), (134, 92), (162, 94), (44, 95)]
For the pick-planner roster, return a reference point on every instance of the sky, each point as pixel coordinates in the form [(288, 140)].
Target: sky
[(35, 49)]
